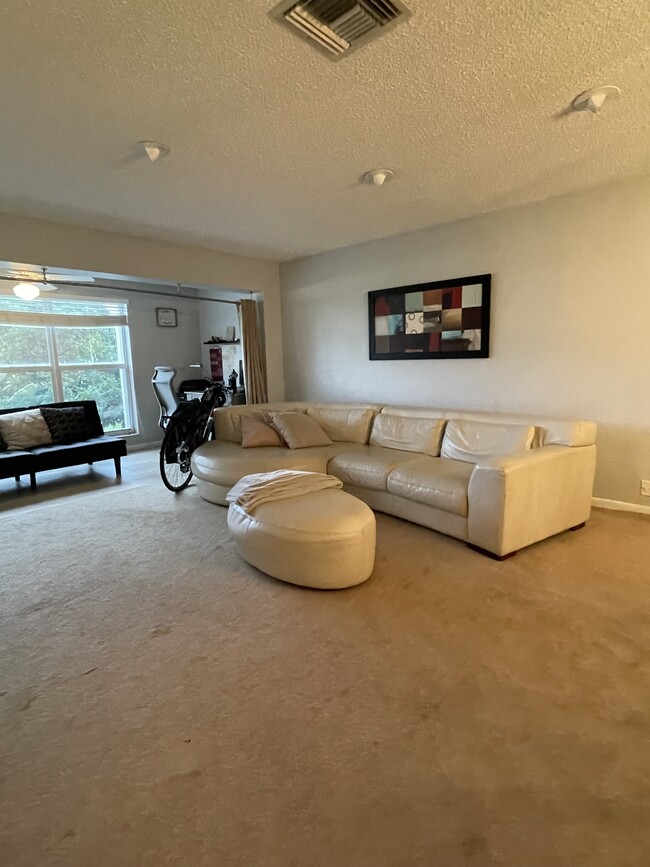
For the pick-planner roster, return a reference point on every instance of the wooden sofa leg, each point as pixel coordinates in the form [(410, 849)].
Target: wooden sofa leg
[(489, 554), (118, 467), (32, 481), (577, 527)]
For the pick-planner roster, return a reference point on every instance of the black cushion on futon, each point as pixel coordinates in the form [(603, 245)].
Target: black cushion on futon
[(92, 413), (67, 424)]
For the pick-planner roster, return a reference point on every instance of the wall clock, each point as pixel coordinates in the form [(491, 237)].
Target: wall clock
[(166, 317)]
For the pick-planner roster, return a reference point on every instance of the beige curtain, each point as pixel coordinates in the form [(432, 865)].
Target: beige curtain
[(254, 361)]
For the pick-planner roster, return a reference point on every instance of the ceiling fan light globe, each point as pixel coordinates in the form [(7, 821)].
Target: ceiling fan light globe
[(27, 291)]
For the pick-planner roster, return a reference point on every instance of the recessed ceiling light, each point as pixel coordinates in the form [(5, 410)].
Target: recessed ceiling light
[(594, 99), (378, 177), (154, 150)]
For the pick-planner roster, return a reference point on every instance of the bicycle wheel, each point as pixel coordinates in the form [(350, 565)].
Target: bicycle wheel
[(175, 455)]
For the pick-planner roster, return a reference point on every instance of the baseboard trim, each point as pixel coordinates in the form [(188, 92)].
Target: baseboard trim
[(619, 506), (140, 447)]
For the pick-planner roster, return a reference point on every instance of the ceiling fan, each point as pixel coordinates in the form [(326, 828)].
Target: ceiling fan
[(30, 284)]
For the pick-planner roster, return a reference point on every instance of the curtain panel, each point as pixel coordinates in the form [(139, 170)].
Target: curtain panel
[(254, 361)]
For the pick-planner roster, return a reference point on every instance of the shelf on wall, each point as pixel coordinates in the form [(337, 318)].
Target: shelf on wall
[(221, 342)]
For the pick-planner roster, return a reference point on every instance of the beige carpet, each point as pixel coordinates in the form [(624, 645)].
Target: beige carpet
[(165, 704)]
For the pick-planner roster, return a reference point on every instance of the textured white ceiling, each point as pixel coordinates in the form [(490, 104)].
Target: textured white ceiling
[(464, 101)]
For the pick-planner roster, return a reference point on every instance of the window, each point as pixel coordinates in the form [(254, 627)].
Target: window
[(52, 350)]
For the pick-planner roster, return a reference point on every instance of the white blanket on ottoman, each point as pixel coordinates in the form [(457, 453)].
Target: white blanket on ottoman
[(257, 488)]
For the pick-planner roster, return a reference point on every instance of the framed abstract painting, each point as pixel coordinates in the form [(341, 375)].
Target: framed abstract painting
[(445, 319)]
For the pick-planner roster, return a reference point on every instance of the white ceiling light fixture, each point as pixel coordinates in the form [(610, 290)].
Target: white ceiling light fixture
[(30, 284), (594, 99), (27, 291), (154, 150), (378, 177)]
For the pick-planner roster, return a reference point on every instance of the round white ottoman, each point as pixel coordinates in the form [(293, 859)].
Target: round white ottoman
[(325, 539)]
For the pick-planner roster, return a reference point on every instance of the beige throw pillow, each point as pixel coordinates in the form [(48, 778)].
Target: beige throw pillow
[(227, 421), (298, 430), (256, 432), (24, 430)]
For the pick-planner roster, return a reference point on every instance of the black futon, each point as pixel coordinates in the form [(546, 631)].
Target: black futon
[(98, 447)]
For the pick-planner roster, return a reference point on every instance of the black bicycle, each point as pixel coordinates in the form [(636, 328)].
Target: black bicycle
[(190, 425)]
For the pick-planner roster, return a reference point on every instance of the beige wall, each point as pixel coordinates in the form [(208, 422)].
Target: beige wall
[(570, 314), (64, 246)]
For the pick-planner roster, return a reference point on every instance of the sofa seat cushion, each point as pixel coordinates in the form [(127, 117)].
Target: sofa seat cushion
[(97, 444), (15, 453), (225, 463), (368, 466), (438, 482)]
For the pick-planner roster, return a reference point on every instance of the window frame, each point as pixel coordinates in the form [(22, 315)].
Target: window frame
[(124, 365)]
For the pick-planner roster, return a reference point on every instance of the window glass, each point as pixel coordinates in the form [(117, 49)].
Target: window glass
[(52, 350), (102, 386), (87, 345), (21, 345), (25, 388)]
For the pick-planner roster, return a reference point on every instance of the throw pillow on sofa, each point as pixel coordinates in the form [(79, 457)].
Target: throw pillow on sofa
[(67, 424), (227, 424), (256, 432), (408, 433), (3, 444), (24, 430), (467, 440), (298, 430)]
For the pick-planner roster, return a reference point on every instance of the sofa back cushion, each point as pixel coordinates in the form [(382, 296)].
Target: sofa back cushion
[(549, 430), (24, 430), (409, 434), (344, 424), (466, 440), (298, 430), (67, 424)]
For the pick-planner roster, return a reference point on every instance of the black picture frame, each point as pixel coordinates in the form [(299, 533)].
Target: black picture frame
[(452, 302)]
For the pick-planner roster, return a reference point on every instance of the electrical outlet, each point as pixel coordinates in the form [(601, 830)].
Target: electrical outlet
[(645, 487)]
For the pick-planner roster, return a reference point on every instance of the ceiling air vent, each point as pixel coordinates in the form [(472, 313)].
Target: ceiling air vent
[(339, 27)]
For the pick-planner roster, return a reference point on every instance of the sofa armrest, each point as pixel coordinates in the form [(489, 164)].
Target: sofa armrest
[(518, 500)]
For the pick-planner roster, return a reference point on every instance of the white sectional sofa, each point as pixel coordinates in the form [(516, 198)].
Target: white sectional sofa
[(499, 483)]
